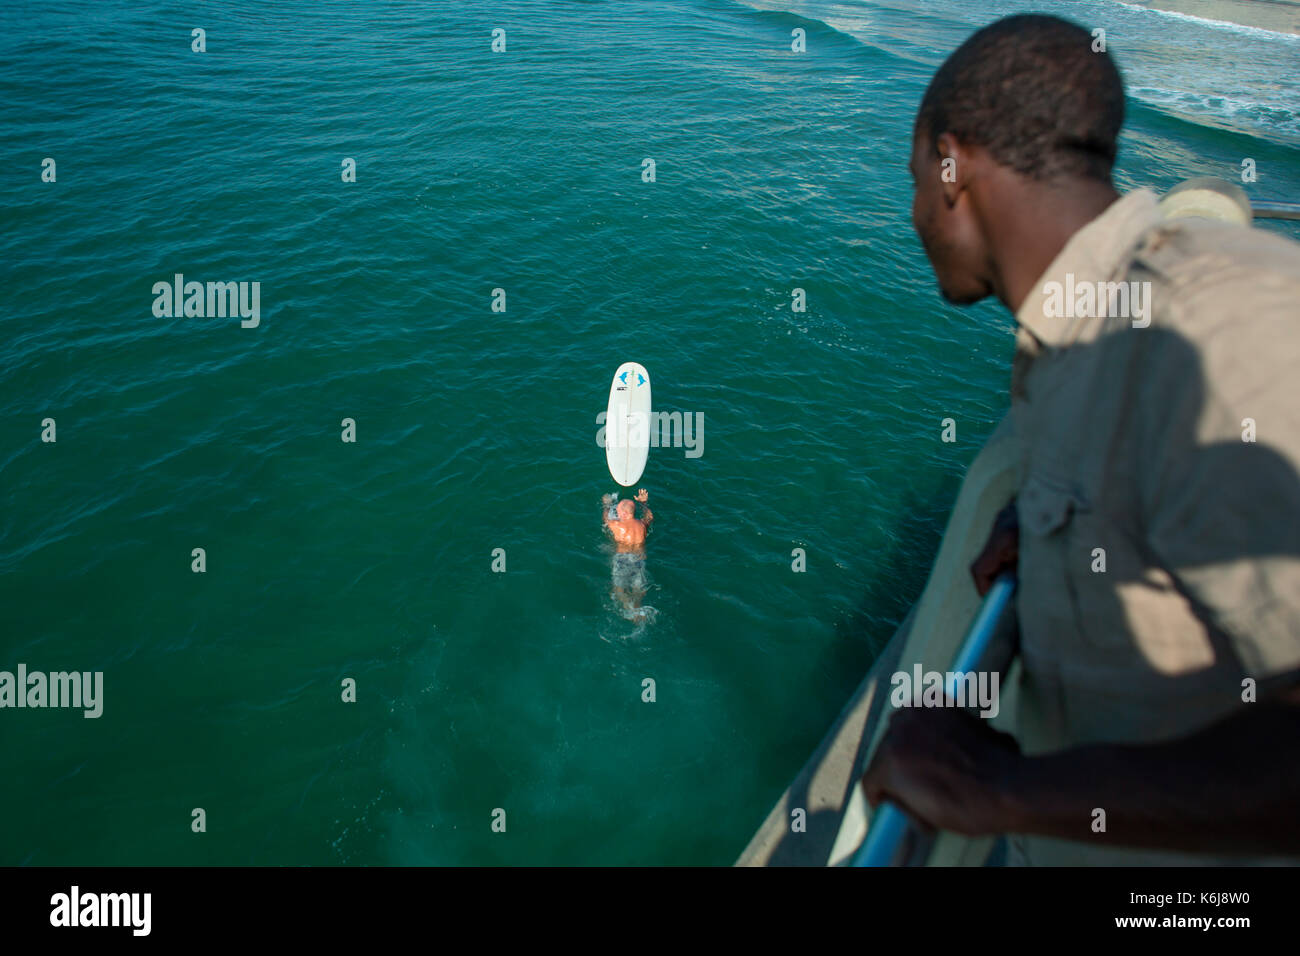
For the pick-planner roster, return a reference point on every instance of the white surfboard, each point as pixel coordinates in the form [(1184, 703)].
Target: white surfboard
[(627, 423)]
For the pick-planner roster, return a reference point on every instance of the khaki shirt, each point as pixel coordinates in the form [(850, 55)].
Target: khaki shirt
[(1131, 451)]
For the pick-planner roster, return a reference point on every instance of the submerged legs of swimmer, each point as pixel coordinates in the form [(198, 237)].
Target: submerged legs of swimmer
[(629, 582)]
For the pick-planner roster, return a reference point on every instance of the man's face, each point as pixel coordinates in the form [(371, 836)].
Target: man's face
[(947, 228)]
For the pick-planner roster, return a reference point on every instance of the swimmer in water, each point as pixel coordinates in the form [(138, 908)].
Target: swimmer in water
[(629, 534)]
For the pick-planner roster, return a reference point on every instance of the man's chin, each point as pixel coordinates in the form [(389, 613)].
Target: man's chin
[(966, 296)]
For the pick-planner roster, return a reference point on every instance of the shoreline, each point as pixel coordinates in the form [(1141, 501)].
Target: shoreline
[(1277, 16)]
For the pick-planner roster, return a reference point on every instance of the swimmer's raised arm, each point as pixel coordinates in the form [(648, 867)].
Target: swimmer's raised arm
[(642, 496), (608, 504)]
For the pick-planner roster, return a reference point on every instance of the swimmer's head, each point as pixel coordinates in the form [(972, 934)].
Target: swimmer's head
[(625, 510)]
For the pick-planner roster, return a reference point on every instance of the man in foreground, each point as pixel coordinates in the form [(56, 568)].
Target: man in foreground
[(1156, 529)]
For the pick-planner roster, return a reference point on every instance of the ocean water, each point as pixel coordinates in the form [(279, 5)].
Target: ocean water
[(476, 691)]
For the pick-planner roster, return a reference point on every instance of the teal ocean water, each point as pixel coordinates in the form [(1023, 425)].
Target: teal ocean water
[(475, 429)]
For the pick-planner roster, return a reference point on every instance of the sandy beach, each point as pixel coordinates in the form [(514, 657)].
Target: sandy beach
[(1281, 16)]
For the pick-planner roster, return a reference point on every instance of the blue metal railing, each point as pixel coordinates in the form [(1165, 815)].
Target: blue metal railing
[(890, 826)]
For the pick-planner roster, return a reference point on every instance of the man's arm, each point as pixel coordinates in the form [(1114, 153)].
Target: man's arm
[(1001, 550), (647, 515), (607, 513), (1232, 787)]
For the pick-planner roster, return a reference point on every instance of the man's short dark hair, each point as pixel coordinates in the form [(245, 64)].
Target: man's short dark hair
[(1031, 91)]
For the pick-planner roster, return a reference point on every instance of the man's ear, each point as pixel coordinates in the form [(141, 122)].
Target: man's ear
[(953, 163)]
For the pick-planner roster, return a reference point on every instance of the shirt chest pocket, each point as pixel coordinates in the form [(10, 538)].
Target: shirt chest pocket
[(1071, 563), (1056, 555), (1045, 507)]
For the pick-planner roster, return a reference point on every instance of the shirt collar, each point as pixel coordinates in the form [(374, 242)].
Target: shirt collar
[(1094, 253)]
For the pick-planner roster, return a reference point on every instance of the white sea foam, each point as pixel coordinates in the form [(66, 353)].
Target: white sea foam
[(1226, 25), (1228, 72), (1277, 118)]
